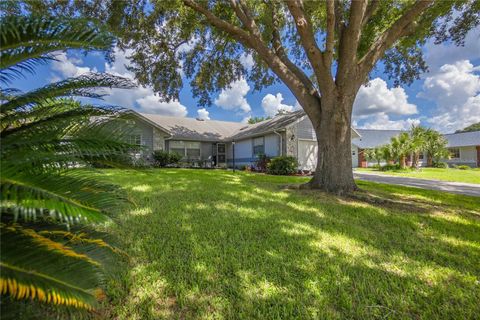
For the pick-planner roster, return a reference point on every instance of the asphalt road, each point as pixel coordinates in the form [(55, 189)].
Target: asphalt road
[(453, 187)]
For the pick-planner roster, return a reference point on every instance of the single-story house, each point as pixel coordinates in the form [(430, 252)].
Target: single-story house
[(223, 143), (464, 147)]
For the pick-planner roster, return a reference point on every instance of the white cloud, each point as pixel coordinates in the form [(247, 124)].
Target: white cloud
[(152, 104), (455, 89), (141, 97), (452, 84), (273, 104), (376, 98), (246, 60), (233, 98), (203, 114), (246, 118), (458, 116), (68, 66), (438, 55), (381, 121)]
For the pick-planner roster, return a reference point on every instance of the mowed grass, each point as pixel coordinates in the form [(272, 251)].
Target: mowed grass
[(208, 244), (450, 174)]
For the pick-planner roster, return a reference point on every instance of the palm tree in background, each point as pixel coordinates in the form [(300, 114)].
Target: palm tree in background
[(435, 146), (418, 141), (44, 134), (401, 147)]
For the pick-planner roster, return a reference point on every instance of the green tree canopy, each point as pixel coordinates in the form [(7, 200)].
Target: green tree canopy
[(473, 127)]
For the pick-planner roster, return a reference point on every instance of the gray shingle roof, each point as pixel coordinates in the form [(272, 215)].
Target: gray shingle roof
[(193, 129), (371, 138), (463, 139), (267, 126)]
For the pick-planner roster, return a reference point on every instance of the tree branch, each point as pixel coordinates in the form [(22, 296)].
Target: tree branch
[(330, 40), (243, 14), (279, 49), (371, 9), (307, 38), (349, 42), (403, 26), (289, 78)]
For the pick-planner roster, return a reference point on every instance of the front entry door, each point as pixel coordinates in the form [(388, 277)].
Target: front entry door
[(221, 155)]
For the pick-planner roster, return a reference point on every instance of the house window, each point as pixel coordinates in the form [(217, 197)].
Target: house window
[(135, 139), (454, 153), (187, 149), (258, 146), (420, 156), (192, 150)]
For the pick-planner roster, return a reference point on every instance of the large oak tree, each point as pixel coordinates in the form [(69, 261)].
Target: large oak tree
[(323, 51)]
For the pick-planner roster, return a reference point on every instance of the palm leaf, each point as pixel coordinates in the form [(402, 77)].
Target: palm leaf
[(35, 267), (27, 41), (72, 197), (85, 86)]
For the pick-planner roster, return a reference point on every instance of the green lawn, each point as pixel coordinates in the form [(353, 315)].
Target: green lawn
[(217, 245), (456, 175)]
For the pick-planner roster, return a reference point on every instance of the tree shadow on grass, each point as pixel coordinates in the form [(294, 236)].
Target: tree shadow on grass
[(209, 244)]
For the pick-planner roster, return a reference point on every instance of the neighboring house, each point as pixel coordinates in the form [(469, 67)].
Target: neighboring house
[(464, 147), (214, 143)]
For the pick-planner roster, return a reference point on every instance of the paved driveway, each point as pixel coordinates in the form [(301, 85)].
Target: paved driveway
[(454, 187)]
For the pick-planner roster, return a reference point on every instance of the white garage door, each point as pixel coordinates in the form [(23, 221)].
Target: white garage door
[(307, 154)]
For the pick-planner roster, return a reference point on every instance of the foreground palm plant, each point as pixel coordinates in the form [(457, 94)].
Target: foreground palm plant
[(44, 135)]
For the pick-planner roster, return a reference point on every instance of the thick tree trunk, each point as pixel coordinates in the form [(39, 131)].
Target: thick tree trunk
[(334, 162), (402, 161), (429, 161)]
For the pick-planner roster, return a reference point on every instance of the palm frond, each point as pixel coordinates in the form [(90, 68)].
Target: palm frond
[(28, 40), (18, 70), (35, 267), (85, 86), (71, 197)]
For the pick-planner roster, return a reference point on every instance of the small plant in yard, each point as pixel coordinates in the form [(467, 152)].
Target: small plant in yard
[(165, 158), (284, 165), (262, 162), (463, 167), (390, 167), (440, 164)]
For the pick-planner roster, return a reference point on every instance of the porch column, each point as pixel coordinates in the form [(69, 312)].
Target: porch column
[(478, 156), (362, 163)]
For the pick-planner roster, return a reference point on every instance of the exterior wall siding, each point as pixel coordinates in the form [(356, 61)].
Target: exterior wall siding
[(305, 130), (272, 144), (158, 139), (291, 141)]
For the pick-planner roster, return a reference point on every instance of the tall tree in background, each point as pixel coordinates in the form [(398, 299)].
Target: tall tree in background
[(323, 51)]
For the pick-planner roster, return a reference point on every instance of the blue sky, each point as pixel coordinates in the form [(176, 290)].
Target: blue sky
[(447, 98)]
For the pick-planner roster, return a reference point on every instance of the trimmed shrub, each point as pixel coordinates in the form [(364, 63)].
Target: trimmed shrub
[(377, 166), (174, 158), (390, 167), (262, 162), (463, 167), (284, 165), (164, 158), (443, 165)]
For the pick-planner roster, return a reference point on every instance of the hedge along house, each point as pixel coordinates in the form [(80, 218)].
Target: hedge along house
[(211, 143)]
